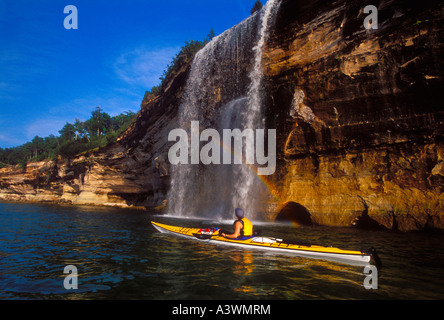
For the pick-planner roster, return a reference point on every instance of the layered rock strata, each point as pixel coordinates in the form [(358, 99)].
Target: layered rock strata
[(361, 112)]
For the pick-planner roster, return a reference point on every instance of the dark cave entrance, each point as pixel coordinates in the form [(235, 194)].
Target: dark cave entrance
[(295, 213)]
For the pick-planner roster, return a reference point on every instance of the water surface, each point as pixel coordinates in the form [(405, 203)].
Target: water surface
[(119, 255)]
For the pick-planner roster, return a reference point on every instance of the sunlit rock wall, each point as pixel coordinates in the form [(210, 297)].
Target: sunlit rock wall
[(360, 112)]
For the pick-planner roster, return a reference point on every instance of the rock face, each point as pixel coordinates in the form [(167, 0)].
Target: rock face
[(107, 178), (358, 115), (362, 112)]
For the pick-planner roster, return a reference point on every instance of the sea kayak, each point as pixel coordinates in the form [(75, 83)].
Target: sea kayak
[(211, 235)]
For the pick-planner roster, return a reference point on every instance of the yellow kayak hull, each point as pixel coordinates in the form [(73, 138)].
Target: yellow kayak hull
[(270, 244)]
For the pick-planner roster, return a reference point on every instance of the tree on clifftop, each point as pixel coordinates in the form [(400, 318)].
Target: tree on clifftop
[(68, 132), (257, 6), (99, 123)]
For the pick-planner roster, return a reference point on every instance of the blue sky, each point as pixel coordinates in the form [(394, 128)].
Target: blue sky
[(50, 75)]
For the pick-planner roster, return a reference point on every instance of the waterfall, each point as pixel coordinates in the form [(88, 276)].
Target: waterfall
[(223, 91)]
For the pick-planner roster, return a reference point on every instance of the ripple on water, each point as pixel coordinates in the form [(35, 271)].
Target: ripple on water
[(120, 256)]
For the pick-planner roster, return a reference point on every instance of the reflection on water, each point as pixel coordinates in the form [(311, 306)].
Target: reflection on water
[(244, 267), (120, 256)]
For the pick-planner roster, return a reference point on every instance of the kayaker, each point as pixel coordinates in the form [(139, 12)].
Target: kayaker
[(242, 226)]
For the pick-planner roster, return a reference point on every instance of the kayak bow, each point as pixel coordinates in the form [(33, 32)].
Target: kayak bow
[(269, 244)]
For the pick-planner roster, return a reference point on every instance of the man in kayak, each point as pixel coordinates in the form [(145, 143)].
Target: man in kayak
[(242, 227)]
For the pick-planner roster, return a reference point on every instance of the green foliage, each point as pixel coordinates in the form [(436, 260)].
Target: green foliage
[(68, 132), (70, 149), (2, 158), (99, 124), (184, 56), (257, 6), (121, 122), (211, 35), (151, 94), (80, 129), (97, 132)]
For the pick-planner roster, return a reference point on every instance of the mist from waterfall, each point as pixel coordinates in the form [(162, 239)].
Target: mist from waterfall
[(224, 91)]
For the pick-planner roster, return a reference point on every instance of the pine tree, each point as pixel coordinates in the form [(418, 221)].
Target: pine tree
[(211, 35), (68, 132), (80, 128), (257, 6)]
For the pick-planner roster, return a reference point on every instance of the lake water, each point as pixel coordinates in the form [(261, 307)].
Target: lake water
[(119, 255)]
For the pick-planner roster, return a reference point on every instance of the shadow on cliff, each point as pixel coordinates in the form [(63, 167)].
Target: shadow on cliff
[(294, 213), (299, 215)]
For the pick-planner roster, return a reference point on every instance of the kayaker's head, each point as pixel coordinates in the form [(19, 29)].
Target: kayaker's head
[(240, 214)]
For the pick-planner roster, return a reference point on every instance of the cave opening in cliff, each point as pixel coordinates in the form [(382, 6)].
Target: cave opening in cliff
[(294, 213)]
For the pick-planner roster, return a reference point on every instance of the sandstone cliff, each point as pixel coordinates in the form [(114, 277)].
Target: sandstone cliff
[(363, 118), (359, 118)]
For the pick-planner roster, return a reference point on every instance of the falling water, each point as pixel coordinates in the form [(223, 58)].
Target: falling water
[(224, 91)]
